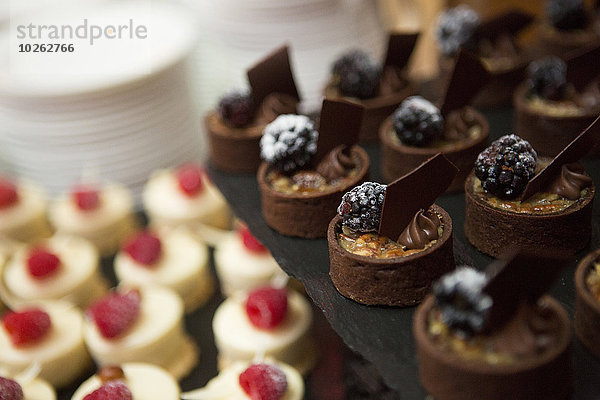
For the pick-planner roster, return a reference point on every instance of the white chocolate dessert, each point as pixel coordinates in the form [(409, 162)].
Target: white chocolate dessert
[(106, 224), (77, 277), (34, 388), (238, 339), (61, 353), (226, 385), (156, 336), (200, 206), (23, 212), (145, 381), (180, 263)]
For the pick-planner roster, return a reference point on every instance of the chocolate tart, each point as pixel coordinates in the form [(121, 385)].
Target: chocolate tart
[(552, 41), (398, 159), (447, 376), (398, 281), (493, 230), (548, 133), (306, 215), (587, 307)]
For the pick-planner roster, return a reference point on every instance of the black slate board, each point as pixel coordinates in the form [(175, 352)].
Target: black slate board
[(383, 334)]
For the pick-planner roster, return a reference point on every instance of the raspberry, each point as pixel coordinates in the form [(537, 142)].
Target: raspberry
[(506, 166), (115, 312), (263, 382), (417, 121), (8, 193), (10, 390), (189, 178), (289, 142), (266, 307), (86, 198), (455, 28), (26, 327), (547, 78), (463, 305), (250, 242), (145, 248), (567, 14), (42, 264), (356, 75), (361, 207), (237, 108), (114, 390)]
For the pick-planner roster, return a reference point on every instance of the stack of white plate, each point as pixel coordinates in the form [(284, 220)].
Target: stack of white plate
[(237, 33), (121, 113)]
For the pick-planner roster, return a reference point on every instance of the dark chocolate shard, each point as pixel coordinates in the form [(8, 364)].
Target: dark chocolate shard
[(339, 124), (520, 277), (273, 74), (578, 148), (467, 79), (508, 23), (414, 191), (583, 66), (400, 47)]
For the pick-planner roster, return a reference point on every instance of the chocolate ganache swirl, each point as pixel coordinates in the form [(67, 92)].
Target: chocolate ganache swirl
[(274, 105), (336, 164), (421, 231), (459, 124), (570, 182), (392, 81)]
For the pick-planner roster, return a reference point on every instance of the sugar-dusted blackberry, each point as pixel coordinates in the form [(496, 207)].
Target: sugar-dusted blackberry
[(455, 28), (361, 207), (417, 121), (567, 14), (289, 142), (356, 74), (506, 166), (547, 78), (237, 108), (463, 306)]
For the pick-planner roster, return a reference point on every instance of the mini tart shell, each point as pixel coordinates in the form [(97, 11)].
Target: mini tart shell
[(398, 281), (587, 308), (493, 230), (552, 41), (548, 134), (234, 150), (398, 159), (447, 376), (305, 215), (377, 109)]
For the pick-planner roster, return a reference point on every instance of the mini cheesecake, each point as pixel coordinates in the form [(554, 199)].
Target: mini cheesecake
[(587, 302), (32, 388), (144, 381)]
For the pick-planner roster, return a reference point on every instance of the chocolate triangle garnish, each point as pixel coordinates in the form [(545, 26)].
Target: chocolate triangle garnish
[(583, 67), (400, 47), (510, 22), (521, 277), (339, 123), (578, 148), (414, 191), (468, 77), (273, 74)]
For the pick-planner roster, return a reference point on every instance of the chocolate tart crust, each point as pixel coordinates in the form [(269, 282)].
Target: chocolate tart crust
[(230, 149), (398, 159), (305, 215), (587, 308), (446, 376), (548, 134), (552, 41), (493, 230), (399, 281)]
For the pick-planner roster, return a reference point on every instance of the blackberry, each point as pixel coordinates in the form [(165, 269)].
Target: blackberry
[(567, 14), (417, 121), (237, 108), (506, 166), (361, 207), (458, 295), (547, 78), (289, 142), (455, 28), (356, 75)]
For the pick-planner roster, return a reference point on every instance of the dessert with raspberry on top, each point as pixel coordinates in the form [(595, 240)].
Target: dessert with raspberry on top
[(26, 389)]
